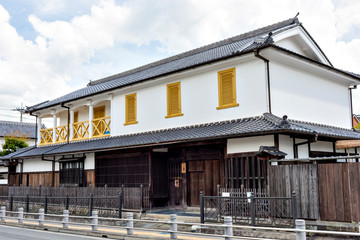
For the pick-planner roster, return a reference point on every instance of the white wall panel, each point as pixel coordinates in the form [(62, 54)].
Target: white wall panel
[(322, 146), (308, 97), (286, 146), (35, 165), (249, 144), (199, 100), (89, 163)]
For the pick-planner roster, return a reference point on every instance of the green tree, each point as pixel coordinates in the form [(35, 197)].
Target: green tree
[(11, 144)]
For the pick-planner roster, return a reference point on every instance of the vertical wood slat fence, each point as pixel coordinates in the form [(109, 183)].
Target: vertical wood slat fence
[(303, 179), (133, 197), (339, 192)]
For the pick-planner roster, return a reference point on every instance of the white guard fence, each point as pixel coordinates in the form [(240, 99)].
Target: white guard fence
[(300, 228)]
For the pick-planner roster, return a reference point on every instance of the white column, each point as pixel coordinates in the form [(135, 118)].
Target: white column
[(54, 128), (91, 116), (38, 130), (71, 132)]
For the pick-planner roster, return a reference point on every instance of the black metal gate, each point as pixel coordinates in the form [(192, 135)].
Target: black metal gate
[(255, 211)]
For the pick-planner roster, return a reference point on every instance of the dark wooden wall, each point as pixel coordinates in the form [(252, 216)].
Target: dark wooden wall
[(303, 179), (34, 179), (339, 192), (118, 168)]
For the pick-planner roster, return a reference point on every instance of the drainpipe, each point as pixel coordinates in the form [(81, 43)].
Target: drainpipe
[(266, 61), (351, 105), (68, 121)]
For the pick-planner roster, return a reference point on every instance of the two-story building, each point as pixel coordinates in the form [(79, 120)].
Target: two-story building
[(186, 123)]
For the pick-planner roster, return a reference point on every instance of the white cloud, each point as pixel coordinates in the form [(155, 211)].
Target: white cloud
[(67, 53)]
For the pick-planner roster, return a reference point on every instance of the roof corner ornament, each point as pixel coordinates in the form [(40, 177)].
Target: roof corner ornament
[(295, 18), (284, 122)]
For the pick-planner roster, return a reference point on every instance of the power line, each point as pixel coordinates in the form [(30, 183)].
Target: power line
[(21, 110)]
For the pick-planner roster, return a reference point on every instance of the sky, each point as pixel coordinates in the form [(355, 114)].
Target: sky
[(51, 47)]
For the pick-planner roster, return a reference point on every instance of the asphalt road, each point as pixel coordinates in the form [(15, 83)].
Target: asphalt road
[(15, 233)]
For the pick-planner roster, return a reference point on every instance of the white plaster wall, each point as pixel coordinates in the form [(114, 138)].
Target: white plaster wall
[(322, 146), (3, 169), (37, 165), (303, 151), (199, 100), (307, 97), (292, 45), (89, 163), (286, 146), (249, 144)]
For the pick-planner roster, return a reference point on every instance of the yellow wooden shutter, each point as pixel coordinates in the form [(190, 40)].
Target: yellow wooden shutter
[(174, 100), (130, 109), (227, 88)]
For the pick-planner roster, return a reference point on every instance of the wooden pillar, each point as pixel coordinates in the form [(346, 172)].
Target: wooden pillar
[(53, 173), (150, 177), (185, 199)]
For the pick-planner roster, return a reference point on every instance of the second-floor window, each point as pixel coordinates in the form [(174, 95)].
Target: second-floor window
[(173, 92), (227, 88), (130, 109)]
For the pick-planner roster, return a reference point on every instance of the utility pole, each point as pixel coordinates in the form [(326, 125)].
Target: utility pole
[(21, 110)]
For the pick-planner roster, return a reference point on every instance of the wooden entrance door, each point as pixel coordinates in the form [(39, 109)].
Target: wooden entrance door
[(203, 176)]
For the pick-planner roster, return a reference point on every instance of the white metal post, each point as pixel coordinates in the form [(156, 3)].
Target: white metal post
[(300, 224), (3, 213), (65, 219), (20, 215), (130, 223), (41, 217), (173, 226), (228, 231), (94, 220)]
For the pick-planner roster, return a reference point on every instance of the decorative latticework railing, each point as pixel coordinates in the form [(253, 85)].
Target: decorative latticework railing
[(61, 134), (81, 130), (259, 211), (46, 136), (101, 126)]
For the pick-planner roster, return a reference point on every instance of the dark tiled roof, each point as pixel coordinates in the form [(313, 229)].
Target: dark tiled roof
[(213, 52), (264, 124), (19, 151), (270, 150), (9, 128)]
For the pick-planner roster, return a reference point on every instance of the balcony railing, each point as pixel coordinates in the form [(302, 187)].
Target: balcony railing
[(46, 136), (81, 130), (101, 128), (61, 134)]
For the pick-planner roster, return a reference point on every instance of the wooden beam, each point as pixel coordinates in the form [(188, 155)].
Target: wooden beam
[(344, 144)]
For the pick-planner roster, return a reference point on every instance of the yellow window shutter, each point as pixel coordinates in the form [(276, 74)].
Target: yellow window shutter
[(130, 109), (227, 88), (174, 100)]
